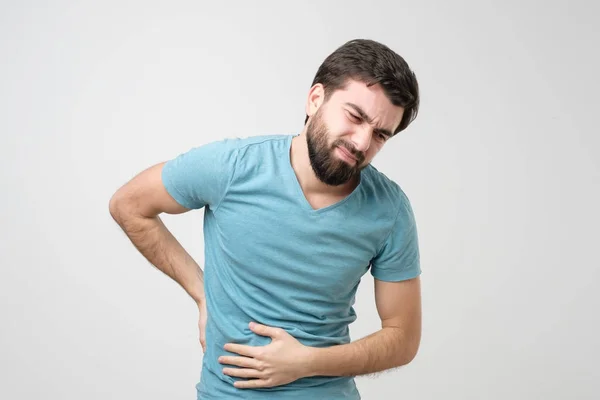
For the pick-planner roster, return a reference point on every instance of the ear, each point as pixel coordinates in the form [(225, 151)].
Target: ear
[(316, 97)]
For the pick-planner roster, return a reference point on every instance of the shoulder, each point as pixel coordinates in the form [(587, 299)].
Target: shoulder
[(249, 143), (230, 149), (386, 192), (260, 151), (226, 152)]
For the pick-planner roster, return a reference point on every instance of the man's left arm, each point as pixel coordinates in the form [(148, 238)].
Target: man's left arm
[(394, 345)]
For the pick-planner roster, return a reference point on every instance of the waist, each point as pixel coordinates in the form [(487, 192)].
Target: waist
[(214, 384), (222, 329)]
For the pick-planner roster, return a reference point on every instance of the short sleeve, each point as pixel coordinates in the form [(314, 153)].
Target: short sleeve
[(398, 258), (201, 176)]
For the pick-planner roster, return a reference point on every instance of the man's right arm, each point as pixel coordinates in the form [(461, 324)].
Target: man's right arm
[(136, 207)]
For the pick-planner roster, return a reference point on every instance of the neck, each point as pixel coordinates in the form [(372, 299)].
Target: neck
[(306, 176)]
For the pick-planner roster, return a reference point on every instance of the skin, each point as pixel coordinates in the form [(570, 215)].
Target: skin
[(360, 120)]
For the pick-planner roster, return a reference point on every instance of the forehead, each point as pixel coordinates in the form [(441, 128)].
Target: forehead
[(372, 100)]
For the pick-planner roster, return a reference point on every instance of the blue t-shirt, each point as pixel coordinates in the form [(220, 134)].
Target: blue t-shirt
[(273, 259)]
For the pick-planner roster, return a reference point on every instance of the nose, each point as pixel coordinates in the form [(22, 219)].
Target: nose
[(361, 139)]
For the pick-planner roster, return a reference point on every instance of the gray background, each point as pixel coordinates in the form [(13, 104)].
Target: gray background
[(502, 167)]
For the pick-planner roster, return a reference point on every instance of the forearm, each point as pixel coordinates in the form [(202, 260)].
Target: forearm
[(384, 349), (158, 245)]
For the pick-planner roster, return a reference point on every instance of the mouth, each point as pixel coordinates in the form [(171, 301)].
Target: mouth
[(345, 154)]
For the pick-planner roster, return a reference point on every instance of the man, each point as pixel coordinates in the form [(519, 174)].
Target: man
[(292, 223)]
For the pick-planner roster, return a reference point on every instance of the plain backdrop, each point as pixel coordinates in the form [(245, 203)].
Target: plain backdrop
[(502, 167)]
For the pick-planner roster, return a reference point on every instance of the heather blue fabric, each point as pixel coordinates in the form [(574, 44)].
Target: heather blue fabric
[(271, 258)]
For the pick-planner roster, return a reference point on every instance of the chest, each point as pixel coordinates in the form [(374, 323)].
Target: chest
[(276, 241)]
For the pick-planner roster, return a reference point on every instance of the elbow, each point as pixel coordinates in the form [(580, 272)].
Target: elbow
[(406, 358), (410, 352), (124, 208), (116, 207)]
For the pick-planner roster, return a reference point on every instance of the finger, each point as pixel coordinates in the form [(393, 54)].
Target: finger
[(242, 372), (239, 361), (264, 330), (241, 349), (252, 384)]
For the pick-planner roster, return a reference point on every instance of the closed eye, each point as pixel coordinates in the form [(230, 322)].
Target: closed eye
[(354, 118), (381, 136)]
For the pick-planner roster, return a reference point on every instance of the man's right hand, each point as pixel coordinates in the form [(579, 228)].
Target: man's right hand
[(202, 324)]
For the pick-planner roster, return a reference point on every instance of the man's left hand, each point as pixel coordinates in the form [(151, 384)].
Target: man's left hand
[(282, 361)]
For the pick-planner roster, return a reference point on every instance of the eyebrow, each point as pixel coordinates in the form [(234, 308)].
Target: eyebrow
[(367, 118)]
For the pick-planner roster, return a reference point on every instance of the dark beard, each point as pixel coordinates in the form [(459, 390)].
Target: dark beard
[(328, 168)]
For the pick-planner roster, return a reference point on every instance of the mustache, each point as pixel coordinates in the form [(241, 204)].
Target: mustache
[(360, 157)]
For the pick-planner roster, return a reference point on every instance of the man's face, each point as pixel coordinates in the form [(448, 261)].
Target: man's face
[(348, 130)]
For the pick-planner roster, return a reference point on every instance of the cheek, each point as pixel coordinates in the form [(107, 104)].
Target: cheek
[(339, 126)]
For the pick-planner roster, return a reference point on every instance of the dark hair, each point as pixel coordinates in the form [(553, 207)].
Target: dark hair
[(372, 62)]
